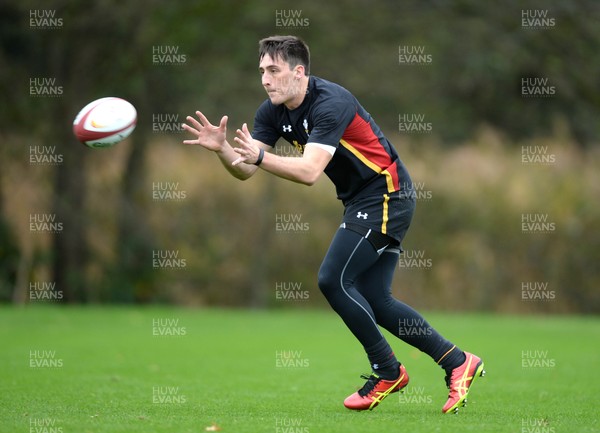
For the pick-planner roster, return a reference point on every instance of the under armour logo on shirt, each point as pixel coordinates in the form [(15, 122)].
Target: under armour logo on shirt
[(287, 128), (362, 215)]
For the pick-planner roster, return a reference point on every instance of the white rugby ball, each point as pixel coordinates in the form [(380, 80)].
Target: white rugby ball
[(105, 122)]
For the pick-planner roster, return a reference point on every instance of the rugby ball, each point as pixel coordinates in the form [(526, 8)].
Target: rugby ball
[(105, 122)]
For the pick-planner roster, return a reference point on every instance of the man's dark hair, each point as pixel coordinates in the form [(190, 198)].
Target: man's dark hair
[(290, 49)]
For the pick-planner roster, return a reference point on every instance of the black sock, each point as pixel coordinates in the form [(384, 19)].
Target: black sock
[(453, 358), (383, 361)]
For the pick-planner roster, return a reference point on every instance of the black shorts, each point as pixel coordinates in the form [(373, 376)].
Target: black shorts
[(389, 214)]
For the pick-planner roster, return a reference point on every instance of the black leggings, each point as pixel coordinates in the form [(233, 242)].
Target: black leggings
[(356, 281)]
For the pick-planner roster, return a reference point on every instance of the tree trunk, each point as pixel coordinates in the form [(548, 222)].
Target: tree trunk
[(69, 249)]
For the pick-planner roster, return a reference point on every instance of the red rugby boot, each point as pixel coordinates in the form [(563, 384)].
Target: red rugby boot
[(375, 390), (460, 381)]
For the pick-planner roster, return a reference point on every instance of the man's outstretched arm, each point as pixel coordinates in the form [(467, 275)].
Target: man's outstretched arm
[(305, 170)]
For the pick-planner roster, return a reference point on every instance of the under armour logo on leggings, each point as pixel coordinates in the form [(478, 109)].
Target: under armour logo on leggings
[(362, 215)]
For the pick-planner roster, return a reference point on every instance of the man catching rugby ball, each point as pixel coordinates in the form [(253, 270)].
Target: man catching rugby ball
[(336, 136)]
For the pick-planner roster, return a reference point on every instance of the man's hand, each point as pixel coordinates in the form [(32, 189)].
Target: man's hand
[(214, 138), (247, 149), (207, 135)]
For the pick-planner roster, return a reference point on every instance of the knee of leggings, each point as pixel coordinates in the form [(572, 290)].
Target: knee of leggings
[(328, 280), (381, 304)]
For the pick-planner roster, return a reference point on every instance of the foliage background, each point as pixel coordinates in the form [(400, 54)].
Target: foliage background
[(476, 187)]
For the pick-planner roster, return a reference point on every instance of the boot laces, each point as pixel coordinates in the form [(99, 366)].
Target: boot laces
[(368, 387)]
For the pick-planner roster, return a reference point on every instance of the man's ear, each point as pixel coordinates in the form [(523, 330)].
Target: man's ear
[(299, 71)]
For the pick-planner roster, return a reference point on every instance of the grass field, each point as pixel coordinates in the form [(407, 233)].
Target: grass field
[(108, 369)]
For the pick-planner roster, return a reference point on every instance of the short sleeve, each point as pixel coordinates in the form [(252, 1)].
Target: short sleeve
[(264, 121), (330, 120)]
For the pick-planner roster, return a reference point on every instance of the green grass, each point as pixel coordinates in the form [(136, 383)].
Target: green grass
[(223, 370)]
